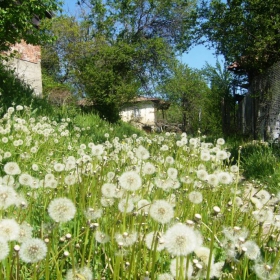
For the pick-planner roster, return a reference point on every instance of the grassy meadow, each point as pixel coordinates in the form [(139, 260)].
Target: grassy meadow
[(81, 199)]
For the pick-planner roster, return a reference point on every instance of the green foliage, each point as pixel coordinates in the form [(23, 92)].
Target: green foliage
[(187, 89), (246, 31), (13, 90), (259, 161), (219, 103), (96, 128), (118, 50), (16, 21)]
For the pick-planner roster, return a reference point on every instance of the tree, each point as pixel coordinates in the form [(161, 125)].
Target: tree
[(246, 31), (19, 19), (220, 103), (123, 51), (187, 89)]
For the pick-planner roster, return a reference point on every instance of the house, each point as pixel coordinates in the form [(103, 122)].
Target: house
[(142, 111)]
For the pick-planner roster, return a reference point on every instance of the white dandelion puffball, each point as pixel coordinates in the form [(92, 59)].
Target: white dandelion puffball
[(8, 197), (181, 240), (33, 250), (203, 253), (195, 197), (84, 273), (130, 180), (61, 210), (221, 141), (12, 168), (161, 211), (101, 237), (252, 250), (148, 168), (108, 190), (93, 214), (4, 249), (9, 229), (126, 205), (142, 153), (127, 238)]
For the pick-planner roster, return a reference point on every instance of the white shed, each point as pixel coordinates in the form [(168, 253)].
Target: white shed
[(142, 110)]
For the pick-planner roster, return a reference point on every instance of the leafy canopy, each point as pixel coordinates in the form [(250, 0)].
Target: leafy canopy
[(16, 21), (246, 31)]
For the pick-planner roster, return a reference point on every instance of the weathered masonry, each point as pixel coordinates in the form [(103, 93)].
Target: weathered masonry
[(27, 65)]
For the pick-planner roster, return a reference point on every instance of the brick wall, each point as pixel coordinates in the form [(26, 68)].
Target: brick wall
[(28, 52)]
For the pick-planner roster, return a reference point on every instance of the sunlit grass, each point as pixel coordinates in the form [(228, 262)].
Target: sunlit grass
[(75, 205)]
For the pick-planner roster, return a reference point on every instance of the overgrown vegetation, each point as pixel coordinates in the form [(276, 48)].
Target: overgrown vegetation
[(78, 201)]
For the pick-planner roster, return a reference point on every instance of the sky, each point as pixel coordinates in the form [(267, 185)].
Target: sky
[(195, 58)]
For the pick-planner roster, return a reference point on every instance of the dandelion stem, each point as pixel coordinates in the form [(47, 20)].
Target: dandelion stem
[(211, 249), (235, 189)]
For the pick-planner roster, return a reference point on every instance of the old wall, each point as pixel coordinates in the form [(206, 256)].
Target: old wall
[(27, 65)]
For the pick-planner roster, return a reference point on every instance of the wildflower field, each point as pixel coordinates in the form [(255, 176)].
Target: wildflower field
[(160, 206)]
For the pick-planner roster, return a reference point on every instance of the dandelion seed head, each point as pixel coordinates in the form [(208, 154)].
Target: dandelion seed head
[(195, 197), (93, 214), (61, 210), (181, 240), (148, 168), (101, 237), (12, 168), (9, 229), (108, 190), (130, 180), (126, 205), (252, 250), (161, 211), (4, 248), (8, 197)]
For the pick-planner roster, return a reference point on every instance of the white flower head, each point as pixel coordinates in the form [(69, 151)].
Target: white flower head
[(84, 273), (161, 211), (130, 180), (148, 168), (33, 250), (195, 197), (62, 210), (9, 229), (101, 237), (12, 168), (126, 205), (181, 240), (142, 153), (252, 250), (109, 190), (127, 238), (8, 197), (93, 214), (4, 248)]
